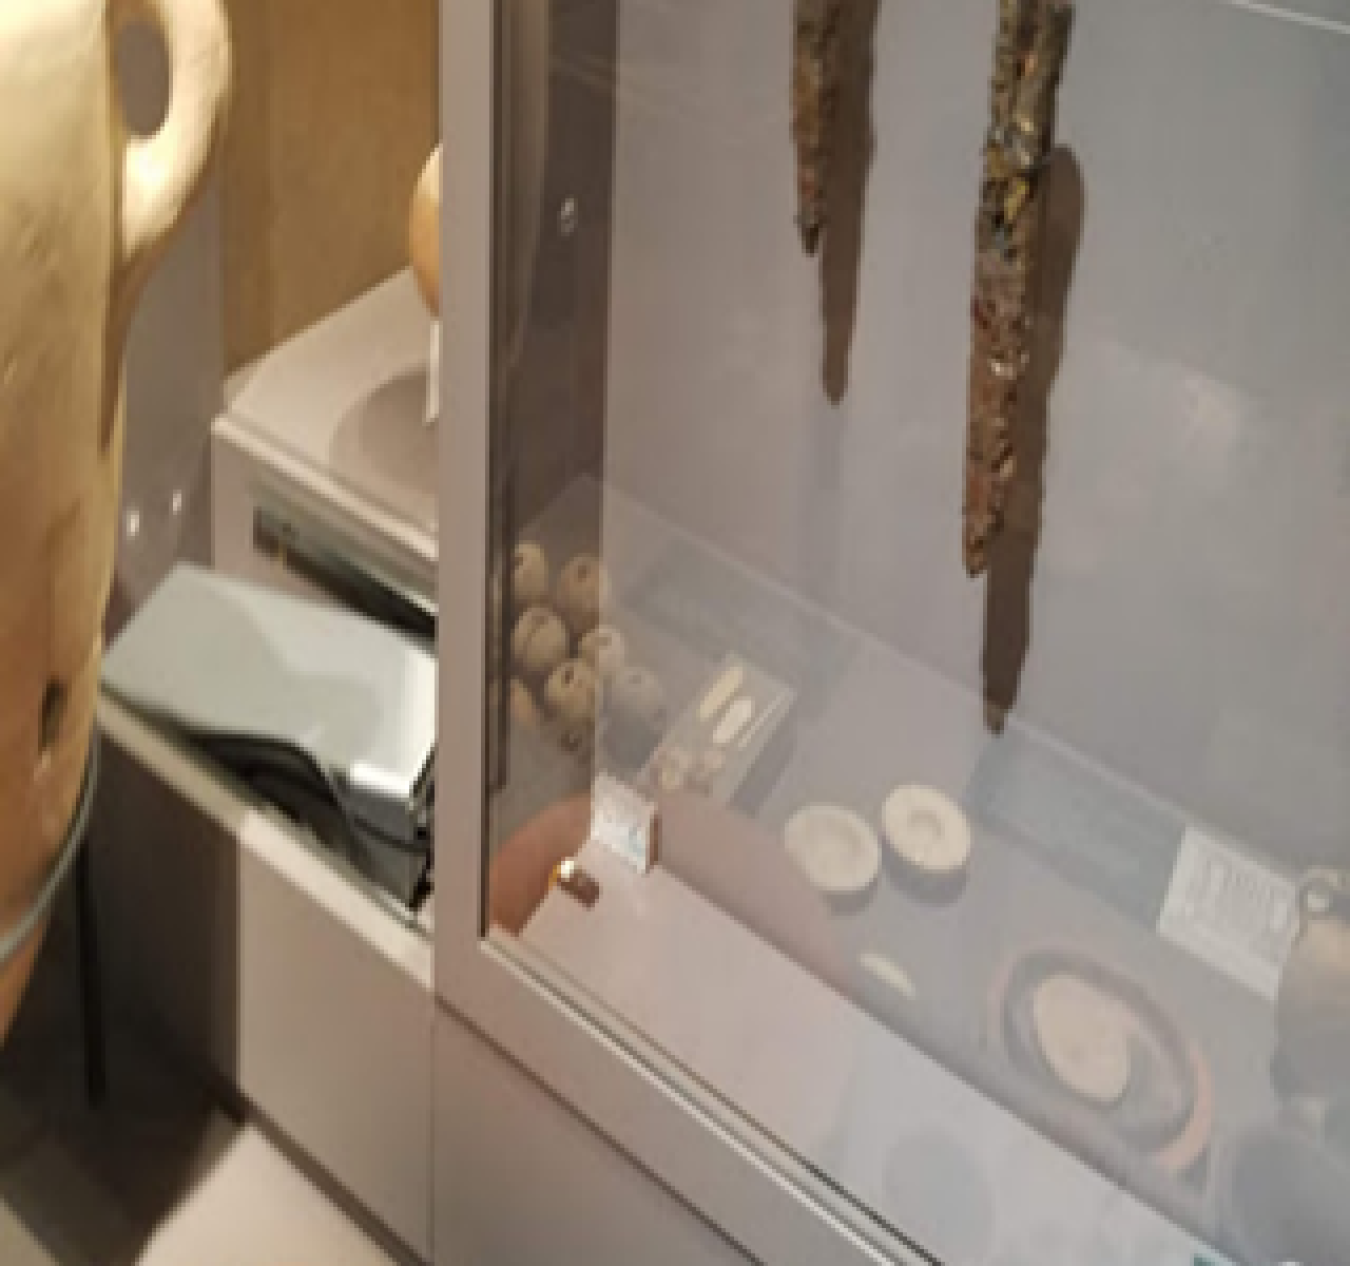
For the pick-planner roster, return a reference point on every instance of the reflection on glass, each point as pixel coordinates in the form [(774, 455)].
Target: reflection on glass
[(300, 669), (1020, 916)]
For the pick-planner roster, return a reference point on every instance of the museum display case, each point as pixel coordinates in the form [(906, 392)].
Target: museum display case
[(905, 738)]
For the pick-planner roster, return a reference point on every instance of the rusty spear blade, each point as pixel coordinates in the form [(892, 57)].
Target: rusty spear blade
[(815, 93), (1029, 52)]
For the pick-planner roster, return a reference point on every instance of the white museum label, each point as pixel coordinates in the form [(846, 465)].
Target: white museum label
[(1231, 912), (624, 822)]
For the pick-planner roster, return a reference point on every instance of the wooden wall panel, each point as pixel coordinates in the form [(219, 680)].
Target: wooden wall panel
[(334, 115)]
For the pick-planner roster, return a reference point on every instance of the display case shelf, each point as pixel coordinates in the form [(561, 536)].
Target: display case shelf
[(348, 400), (1066, 857)]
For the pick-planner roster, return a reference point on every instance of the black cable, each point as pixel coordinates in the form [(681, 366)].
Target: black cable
[(260, 759)]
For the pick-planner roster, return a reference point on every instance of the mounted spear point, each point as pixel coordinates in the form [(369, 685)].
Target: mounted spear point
[(1029, 53), (817, 30)]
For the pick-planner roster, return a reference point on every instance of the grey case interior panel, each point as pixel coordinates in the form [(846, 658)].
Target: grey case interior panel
[(217, 656)]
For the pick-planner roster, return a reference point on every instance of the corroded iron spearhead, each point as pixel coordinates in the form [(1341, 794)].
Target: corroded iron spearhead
[(1033, 120), (1029, 53), (1011, 45), (817, 29)]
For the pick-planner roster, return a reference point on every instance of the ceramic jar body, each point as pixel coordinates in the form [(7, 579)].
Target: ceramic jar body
[(82, 210)]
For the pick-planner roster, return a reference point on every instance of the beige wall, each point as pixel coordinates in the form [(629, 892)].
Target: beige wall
[(334, 110)]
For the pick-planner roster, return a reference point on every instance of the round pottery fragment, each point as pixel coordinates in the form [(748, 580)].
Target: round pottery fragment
[(604, 650), (835, 849), (929, 840), (538, 643), (1109, 1071), (889, 973), (1083, 1040), (529, 576), (583, 590), (572, 693)]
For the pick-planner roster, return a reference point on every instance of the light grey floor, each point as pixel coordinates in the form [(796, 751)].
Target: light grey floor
[(157, 1176), (79, 1186)]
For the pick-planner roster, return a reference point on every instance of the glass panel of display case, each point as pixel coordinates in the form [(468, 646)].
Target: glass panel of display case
[(1014, 905), (281, 416)]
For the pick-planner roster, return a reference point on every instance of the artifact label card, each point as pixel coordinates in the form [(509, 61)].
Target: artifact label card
[(1230, 911), (624, 822), (735, 725)]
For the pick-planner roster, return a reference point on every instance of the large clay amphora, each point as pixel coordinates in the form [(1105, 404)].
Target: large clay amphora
[(84, 207)]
